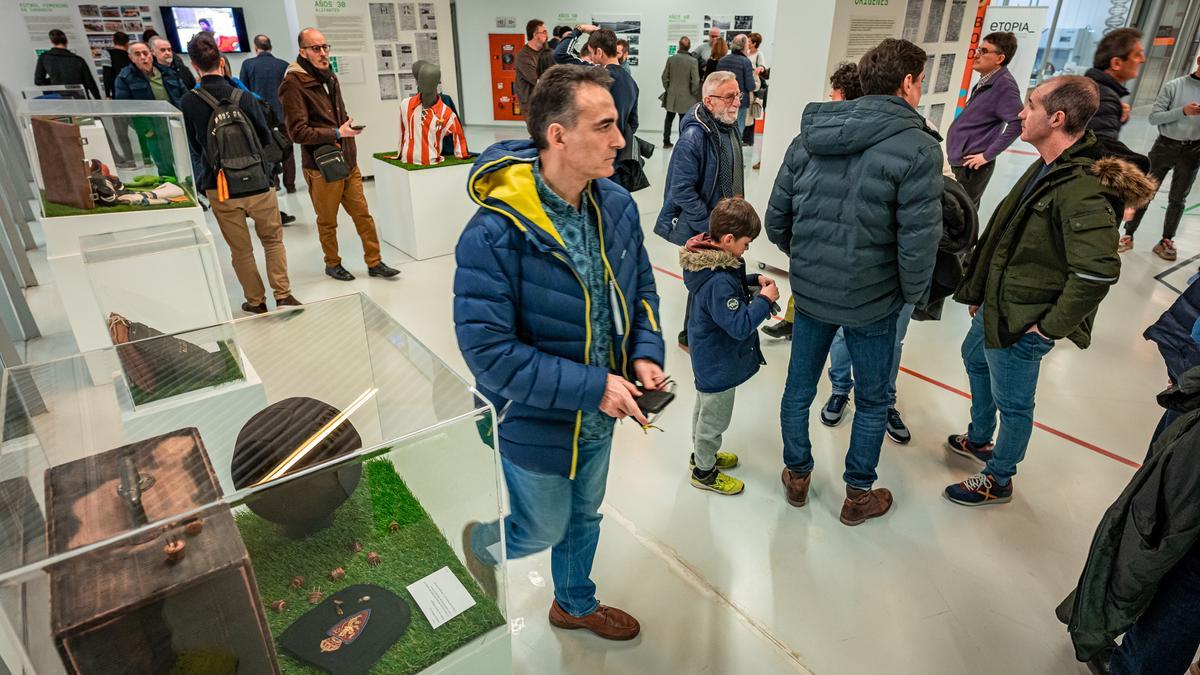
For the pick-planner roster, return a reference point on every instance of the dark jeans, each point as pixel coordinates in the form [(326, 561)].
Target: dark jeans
[(975, 181), (1184, 158), (557, 513), (289, 172), (1164, 639), (1003, 380), (667, 126), (872, 348)]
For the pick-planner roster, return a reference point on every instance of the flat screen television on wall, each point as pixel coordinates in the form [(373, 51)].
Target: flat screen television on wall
[(226, 23)]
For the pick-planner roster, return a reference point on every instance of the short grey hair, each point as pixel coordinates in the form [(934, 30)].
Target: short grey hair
[(739, 42), (158, 38), (716, 79)]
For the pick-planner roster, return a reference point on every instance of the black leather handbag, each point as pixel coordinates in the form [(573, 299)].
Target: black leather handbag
[(331, 162)]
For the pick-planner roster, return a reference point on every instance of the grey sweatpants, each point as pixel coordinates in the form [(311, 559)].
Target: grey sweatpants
[(710, 419)]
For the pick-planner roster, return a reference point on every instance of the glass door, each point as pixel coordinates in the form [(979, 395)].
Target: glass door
[(1171, 50)]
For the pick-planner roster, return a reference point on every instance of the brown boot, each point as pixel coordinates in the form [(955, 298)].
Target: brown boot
[(796, 486), (609, 623), (862, 505), (485, 574)]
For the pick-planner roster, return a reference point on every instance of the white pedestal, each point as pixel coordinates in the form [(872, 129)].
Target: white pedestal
[(422, 212), (217, 412), (63, 233)]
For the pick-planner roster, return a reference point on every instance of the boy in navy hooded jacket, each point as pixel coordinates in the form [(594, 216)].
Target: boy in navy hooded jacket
[(722, 332)]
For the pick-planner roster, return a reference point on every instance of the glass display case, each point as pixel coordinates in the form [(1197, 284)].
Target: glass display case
[(100, 157), (320, 531), (143, 273)]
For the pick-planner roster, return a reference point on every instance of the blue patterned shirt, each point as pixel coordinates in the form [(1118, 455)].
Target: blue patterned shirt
[(579, 232)]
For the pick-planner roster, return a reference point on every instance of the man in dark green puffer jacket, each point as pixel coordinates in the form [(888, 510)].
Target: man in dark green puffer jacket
[(858, 207), (1046, 260)]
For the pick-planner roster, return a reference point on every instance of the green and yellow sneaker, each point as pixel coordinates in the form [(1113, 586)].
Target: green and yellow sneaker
[(725, 461), (718, 482)]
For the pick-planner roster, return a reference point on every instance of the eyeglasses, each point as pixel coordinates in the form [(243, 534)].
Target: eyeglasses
[(985, 50), (730, 98), (318, 48)]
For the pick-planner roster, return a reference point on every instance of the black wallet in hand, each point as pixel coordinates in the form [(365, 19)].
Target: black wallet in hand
[(652, 402)]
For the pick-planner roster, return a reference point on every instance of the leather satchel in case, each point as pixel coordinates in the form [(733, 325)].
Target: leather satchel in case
[(61, 161)]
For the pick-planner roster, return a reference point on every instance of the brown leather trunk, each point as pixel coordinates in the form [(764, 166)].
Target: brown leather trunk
[(60, 157), (123, 607)]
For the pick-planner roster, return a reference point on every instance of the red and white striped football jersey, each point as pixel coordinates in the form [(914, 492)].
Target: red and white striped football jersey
[(422, 130)]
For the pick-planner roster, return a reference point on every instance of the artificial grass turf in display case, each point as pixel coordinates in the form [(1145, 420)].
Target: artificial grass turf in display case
[(415, 550), (55, 210), (447, 161)]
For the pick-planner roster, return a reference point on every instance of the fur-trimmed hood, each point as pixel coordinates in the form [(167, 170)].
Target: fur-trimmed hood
[(701, 252), (701, 257), (1135, 188)]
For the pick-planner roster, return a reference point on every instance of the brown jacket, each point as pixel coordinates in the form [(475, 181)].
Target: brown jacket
[(310, 117), (530, 65)]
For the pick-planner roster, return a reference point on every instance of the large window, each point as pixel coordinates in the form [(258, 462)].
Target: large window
[(1081, 24)]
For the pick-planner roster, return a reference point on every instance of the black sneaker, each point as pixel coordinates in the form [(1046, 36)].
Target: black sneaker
[(779, 330), (285, 217), (340, 273), (895, 427), (959, 444), (835, 410), (382, 270), (254, 309)]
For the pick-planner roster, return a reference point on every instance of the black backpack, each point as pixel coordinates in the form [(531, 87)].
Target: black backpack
[(280, 147), (233, 150)]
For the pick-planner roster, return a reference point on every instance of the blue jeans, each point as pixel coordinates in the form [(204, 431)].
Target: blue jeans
[(840, 374), (871, 348), (741, 120), (1005, 380), (1165, 637), (555, 512)]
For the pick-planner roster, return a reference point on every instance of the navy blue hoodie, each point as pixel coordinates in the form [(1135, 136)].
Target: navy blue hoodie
[(723, 330)]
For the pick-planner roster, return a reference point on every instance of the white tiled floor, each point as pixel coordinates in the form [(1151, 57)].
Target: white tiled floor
[(751, 585)]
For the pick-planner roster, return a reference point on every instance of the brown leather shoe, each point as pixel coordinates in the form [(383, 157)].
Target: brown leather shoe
[(862, 505), (607, 622), (485, 574), (796, 486)]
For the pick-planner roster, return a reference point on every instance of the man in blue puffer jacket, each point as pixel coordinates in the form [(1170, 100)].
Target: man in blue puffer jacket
[(556, 316)]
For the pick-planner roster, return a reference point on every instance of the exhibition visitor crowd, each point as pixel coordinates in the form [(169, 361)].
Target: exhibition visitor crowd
[(557, 315)]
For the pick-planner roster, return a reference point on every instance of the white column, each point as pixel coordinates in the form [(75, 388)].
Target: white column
[(801, 36)]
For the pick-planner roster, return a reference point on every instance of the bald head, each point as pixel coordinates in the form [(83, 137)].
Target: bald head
[(313, 47)]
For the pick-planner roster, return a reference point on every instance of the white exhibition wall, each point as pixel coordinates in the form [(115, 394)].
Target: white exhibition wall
[(361, 90), (262, 16), (477, 18)]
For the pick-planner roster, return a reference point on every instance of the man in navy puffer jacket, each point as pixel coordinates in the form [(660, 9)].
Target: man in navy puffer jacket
[(556, 316)]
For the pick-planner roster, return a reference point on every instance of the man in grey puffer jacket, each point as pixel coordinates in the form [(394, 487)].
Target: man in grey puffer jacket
[(857, 206)]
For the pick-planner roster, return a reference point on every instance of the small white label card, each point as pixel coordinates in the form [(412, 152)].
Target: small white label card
[(441, 596)]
